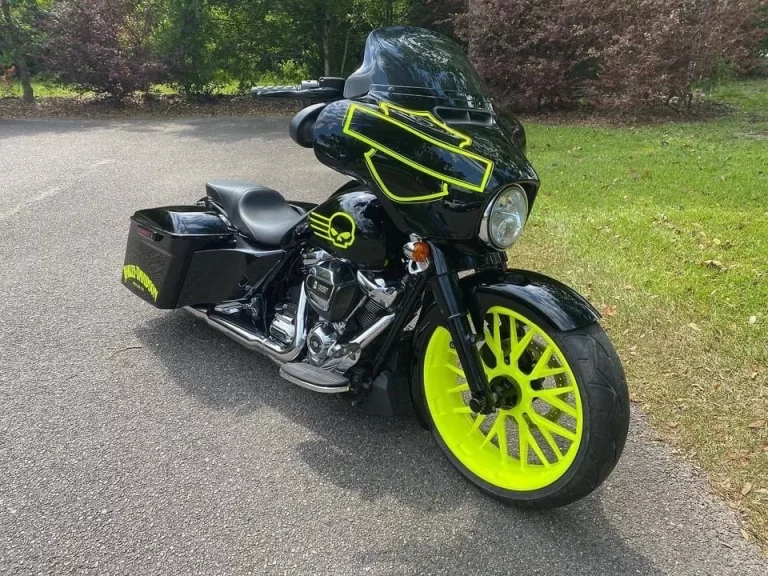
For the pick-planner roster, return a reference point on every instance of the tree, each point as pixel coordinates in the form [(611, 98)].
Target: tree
[(336, 29), (104, 45), (561, 53), (188, 44), (16, 40), (438, 15), (322, 21)]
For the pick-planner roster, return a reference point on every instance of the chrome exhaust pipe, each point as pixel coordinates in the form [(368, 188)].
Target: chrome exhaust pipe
[(256, 340), (371, 333)]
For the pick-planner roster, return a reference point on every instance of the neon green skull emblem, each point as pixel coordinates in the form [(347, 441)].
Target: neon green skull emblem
[(339, 229)]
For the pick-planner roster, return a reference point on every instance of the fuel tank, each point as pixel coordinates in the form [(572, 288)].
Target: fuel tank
[(352, 224)]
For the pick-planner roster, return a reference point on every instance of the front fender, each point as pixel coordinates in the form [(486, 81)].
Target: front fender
[(562, 306)]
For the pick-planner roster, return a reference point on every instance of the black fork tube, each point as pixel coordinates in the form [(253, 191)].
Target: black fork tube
[(407, 308), (451, 303)]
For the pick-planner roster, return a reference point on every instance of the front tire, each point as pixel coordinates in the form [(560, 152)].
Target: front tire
[(565, 411)]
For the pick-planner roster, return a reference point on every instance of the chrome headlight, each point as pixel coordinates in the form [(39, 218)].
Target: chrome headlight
[(505, 218)]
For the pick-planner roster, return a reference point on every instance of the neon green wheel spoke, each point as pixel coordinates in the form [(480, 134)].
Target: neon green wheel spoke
[(462, 410), (514, 342), (502, 434), (551, 441), (455, 369), (534, 444), (473, 429), (547, 372), (491, 433), (476, 424), (458, 389), (546, 356), (497, 338), (494, 340), (556, 391), (522, 440), (542, 422), (522, 346), (551, 397)]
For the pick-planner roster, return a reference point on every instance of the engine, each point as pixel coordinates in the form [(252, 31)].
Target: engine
[(332, 290), (350, 307), (346, 301)]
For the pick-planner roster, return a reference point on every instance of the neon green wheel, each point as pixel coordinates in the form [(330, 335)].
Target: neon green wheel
[(531, 448)]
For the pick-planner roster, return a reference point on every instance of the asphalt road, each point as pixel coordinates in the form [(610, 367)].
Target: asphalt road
[(135, 441)]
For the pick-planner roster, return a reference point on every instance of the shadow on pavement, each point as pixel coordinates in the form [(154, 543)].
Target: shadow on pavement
[(380, 459), (213, 130)]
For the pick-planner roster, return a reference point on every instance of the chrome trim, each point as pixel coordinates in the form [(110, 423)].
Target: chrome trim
[(377, 290), (370, 334), (283, 327), (483, 234), (229, 308), (256, 340), (315, 257), (343, 356), (328, 336), (314, 387)]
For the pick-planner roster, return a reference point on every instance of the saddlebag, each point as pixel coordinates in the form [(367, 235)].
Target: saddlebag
[(160, 260)]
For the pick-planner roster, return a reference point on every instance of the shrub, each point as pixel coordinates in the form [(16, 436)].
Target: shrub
[(291, 72), (104, 45), (557, 53)]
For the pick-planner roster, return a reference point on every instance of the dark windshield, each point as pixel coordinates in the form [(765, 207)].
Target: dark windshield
[(406, 64)]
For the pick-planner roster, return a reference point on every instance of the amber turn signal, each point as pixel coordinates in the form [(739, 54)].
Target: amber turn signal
[(419, 252)]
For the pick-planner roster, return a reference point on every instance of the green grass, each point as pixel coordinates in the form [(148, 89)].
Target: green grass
[(747, 96), (42, 90), (666, 229), (163, 90), (45, 89)]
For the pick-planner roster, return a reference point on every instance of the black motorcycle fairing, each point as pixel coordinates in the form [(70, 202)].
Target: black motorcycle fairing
[(434, 180), (255, 210), (409, 61), (302, 126), (419, 129)]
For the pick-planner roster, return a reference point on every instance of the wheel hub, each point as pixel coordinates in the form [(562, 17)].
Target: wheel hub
[(508, 390)]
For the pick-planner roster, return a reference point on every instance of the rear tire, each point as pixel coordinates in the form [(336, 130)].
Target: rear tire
[(582, 395)]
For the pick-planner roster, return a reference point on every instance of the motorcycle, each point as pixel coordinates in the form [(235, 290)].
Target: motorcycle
[(396, 290)]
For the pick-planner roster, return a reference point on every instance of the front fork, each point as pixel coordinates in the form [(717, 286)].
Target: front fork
[(450, 300)]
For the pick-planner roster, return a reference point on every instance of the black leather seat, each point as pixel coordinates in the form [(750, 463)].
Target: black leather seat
[(255, 210)]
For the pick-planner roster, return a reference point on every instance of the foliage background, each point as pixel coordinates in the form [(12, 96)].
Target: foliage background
[(534, 54)]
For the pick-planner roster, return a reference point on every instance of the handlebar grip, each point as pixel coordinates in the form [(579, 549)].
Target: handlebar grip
[(307, 90), (276, 92)]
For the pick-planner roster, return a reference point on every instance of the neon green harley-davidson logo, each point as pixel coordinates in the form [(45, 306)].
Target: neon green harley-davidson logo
[(139, 278), (451, 148)]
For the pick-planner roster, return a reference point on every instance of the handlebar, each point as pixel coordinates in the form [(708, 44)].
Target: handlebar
[(322, 90)]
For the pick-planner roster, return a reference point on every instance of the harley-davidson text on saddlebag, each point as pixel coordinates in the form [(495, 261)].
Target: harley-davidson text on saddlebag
[(173, 257)]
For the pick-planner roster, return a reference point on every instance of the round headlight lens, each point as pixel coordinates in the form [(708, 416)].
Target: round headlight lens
[(507, 218)]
